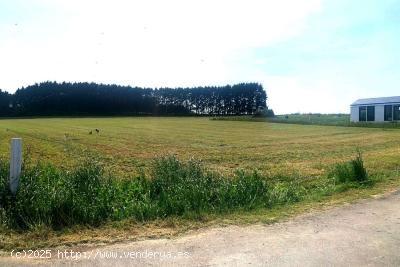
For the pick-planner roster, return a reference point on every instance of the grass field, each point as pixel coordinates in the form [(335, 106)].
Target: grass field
[(127, 145), (321, 119), (329, 119), (295, 160), (307, 119)]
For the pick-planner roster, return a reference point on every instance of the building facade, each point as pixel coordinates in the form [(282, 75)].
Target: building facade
[(383, 109)]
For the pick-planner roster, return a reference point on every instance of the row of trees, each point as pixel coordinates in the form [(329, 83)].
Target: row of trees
[(51, 98)]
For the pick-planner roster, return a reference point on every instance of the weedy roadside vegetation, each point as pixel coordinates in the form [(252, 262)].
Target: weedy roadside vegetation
[(87, 195)]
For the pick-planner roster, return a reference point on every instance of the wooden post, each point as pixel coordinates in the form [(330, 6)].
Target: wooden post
[(15, 163)]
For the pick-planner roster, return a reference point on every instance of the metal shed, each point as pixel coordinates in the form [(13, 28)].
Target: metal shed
[(381, 109)]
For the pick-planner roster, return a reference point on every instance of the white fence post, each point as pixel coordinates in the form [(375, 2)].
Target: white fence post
[(15, 163)]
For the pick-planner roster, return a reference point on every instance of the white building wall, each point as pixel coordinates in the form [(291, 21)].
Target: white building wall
[(379, 113), (354, 114)]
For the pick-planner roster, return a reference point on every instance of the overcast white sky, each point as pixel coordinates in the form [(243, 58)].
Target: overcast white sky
[(310, 56)]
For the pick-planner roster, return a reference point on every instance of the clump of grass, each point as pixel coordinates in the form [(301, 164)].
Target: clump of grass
[(4, 192), (286, 192), (342, 172), (180, 188), (360, 173), (352, 171), (51, 196)]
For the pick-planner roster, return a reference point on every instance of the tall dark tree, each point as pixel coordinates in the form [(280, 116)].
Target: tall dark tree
[(5, 104)]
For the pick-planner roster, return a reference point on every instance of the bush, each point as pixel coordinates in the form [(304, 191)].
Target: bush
[(360, 173), (352, 171), (264, 113)]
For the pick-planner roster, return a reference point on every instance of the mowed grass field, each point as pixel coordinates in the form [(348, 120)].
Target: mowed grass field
[(296, 160), (127, 146)]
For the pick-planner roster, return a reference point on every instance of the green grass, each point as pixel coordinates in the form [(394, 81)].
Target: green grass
[(57, 198), (352, 171), (86, 195), (127, 146), (240, 166), (319, 119), (328, 119), (307, 119)]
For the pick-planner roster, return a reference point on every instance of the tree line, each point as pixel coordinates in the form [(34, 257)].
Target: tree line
[(52, 98)]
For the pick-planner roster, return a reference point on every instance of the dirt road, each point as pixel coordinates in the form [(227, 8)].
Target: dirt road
[(365, 233)]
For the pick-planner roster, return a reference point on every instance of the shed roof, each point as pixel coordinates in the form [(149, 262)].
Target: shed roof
[(378, 100)]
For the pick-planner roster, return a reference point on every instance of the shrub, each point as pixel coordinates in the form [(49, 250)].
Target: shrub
[(360, 173), (264, 113), (352, 171)]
